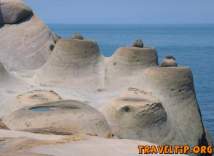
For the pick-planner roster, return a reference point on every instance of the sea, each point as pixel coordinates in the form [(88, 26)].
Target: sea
[(192, 45)]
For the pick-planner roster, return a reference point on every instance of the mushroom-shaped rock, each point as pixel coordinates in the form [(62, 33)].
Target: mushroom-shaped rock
[(169, 61), (72, 62), (137, 115), (26, 42), (175, 89), (37, 97), (14, 11), (63, 117), (134, 57), (127, 62)]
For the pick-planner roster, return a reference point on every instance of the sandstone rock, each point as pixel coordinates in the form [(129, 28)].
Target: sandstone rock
[(15, 143), (169, 61), (138, 115), (175, 89), (25, 44), (126, 63), (73, 62), (14, 11), (62, 117), (134, 58), (37, 97), (7, 80)]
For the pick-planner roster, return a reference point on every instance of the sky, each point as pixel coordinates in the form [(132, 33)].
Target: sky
[(124, 11)]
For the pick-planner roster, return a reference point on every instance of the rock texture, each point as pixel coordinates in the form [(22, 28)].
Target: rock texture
[(72, 62), (27, 144), (37, 97), (137, 115), (27, 41), (64, 117), (174, 87), (138, 99), (14, 11)]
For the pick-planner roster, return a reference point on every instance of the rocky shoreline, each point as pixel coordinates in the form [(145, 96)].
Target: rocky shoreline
[(64, 95)]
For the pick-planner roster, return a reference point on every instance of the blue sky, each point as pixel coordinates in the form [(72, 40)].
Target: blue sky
[(124, 11)]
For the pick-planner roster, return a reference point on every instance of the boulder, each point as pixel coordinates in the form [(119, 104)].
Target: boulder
[(14, 11), (62, 117)]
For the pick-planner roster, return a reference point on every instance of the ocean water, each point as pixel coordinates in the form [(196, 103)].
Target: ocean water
[(192, 45)]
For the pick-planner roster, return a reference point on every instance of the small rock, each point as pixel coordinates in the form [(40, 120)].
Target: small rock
[(169, 61)]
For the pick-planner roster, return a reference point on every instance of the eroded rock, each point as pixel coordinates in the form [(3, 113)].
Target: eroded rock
[(62, 117), (137, 114), (14, 11), (37, 97)]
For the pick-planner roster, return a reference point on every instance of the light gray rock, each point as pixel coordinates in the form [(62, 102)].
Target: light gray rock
[(74, 62), (175, 88), (14, 11), (27, 43), (138, 115), (62, 117)]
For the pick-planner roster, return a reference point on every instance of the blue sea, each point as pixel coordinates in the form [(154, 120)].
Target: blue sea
[(192, 45)]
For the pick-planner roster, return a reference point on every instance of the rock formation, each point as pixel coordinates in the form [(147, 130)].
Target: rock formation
[(169, 61), (14, 11), (138, 115), (26, 40), (72, 62), (136, 98), (175, 89), (63, 117), (37, 97)]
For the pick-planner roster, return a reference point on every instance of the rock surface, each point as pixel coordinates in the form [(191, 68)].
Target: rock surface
[(25, 43), (159, 104), (62, 117), (37, 97), (17, 143), (175, 89), (137, 114), (72, 62), (14, 11)]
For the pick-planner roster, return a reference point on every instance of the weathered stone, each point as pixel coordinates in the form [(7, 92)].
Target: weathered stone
[(137, 115), (37, 97), (70, 61), (62, 117), (14, 11)]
